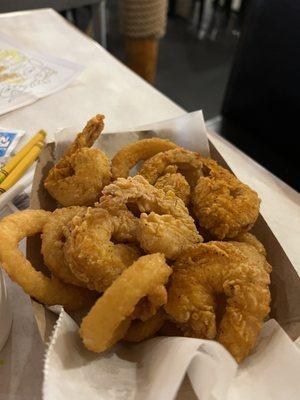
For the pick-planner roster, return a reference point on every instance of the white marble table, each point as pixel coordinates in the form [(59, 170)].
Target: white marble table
[(108, 87)]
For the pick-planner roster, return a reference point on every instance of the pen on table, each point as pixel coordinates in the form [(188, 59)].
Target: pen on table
[(22, 166), (7, 168)]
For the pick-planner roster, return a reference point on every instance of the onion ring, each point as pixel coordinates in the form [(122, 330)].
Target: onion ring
[(53, 241), (224, 206), (90, 254), (148, 306), (207, 271), (139, 330), (80, 175), (126, 158), (13, 229), (168, 228), (109, 318)]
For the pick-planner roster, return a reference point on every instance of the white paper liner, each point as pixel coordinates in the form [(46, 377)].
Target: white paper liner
[(155, 369), (188, 131), (149, 371)]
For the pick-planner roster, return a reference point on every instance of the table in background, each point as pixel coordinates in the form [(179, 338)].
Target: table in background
[(107, 86), (98, 12)]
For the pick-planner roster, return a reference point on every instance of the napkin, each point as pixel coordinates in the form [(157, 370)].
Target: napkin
[(155, 369)]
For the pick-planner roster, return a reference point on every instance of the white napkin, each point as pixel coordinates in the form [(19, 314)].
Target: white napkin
[(271, 372), (155, 369)]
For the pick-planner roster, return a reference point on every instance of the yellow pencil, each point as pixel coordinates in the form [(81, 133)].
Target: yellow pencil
[(20, 169), (7, 168)]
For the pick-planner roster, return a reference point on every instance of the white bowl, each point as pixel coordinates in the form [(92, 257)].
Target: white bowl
[(5, 312)]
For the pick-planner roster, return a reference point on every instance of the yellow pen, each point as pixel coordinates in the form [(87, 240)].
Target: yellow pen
[(22, 166), (7, 168)]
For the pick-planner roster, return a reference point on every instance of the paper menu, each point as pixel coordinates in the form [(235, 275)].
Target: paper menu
[(26, 76)]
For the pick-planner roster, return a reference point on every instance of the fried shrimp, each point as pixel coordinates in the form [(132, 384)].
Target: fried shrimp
[(224, 206), (82, 172), (253, 249), (188, 163), (89, 252), (250, 239), (126, 158), (207, 271), (49, 291), (176, 182), (164, 223), (110, 317), (53, 241), (125, 223)]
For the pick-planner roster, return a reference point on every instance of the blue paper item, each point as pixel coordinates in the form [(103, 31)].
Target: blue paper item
[(8, 141)]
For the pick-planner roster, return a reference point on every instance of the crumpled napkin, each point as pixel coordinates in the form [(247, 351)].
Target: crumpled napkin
[(155, 369)]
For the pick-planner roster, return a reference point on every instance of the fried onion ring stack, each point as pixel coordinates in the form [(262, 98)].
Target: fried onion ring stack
[(130, 251)]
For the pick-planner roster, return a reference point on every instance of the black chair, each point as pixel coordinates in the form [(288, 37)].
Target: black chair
[(262, 101)]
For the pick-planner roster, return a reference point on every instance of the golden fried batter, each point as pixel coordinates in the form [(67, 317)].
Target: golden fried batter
[(205, 272), (50, 291), (89, 252), (140, 330), (110, 317), (126, 158), (176, 182), (125, 223), (224, 206), (250, 239), (53, 241), (78, 178), (164, 223), (148, 306), (188, 163)]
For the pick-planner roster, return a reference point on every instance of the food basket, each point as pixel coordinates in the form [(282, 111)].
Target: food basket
[(285, 282)]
